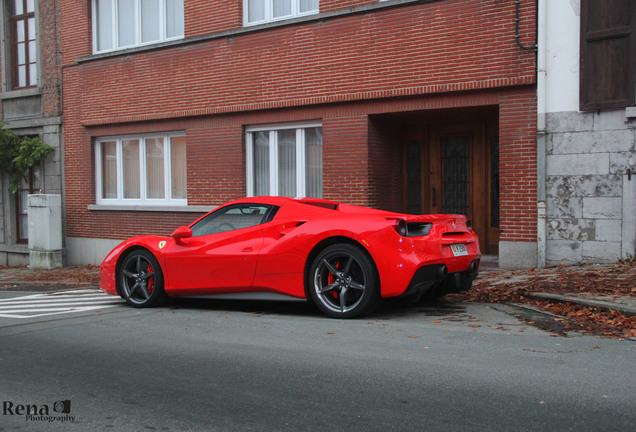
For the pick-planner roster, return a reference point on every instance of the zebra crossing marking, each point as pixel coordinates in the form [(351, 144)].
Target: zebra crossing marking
[(57, 303)]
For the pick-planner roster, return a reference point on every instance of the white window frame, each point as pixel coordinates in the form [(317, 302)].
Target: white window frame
[(269, 12), (138, 20), (143, 200), (273, 155)]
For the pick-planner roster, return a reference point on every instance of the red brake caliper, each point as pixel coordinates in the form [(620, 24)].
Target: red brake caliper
[(335, 294), (151, 281)]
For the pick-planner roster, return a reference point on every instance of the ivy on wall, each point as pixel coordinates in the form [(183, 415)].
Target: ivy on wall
[(19, 154)]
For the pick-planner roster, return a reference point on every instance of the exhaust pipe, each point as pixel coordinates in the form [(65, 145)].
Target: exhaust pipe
[(442, 272)]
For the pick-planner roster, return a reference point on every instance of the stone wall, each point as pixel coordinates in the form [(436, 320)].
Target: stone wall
[(590, 160)]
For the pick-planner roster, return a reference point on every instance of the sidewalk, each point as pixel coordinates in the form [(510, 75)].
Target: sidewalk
[(25, 279), (594, 299), (606, 286)]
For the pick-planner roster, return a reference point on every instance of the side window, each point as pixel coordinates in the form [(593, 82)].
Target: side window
[(233, 218)]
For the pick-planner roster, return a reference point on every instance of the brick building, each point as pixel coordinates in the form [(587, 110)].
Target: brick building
[(406, 105), (30, 96)]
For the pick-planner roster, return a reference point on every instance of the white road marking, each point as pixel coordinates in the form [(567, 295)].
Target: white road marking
[(56, 303)]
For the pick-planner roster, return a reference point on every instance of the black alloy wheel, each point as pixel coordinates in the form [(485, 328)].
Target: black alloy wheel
[(343, 281), (141, 280)]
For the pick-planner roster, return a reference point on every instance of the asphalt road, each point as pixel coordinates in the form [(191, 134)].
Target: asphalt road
[(262, 366)]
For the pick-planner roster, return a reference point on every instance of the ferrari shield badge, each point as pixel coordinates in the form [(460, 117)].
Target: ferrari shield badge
[(162, 244)]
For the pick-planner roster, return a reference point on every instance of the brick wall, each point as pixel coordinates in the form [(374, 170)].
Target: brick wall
[(518, 166), (340, 69), (415, 49), (205, 17), (385, 166), (75, 22), (346, 159)]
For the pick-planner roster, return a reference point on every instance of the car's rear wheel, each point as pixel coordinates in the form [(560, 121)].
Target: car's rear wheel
[(344, 281), (141, 279)]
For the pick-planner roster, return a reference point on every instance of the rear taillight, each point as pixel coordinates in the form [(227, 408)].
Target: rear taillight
[(419, 229), (401, 227), (412, 229)]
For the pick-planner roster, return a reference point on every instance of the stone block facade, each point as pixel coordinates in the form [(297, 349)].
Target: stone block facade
[(590, 160)]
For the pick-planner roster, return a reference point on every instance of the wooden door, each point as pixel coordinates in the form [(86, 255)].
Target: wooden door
[(453, 169)]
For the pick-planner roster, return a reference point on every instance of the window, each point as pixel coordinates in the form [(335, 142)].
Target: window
[(284, 160), (263, 11), (24, 57), (608, 54), (141, 170), (121, 24), (234, 217)]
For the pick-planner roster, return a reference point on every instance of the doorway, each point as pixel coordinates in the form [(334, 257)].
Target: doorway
[(454, 168)]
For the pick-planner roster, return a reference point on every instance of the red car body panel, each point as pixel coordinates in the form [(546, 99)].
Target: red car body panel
[(274, 256)]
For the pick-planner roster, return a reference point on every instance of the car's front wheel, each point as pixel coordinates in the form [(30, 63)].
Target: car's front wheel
[(141, 280), (343, 281)]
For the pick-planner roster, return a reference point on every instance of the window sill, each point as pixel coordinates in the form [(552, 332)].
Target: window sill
[(160, 209), (17, 94), (14, 248)]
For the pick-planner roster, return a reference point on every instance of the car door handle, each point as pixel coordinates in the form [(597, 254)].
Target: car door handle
[(248, 249)]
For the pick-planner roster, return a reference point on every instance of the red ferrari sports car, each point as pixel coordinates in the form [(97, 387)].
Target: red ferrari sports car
[(342, 258)]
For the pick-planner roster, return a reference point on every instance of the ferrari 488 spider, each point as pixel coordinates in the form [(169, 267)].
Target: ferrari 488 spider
[(342, 258)]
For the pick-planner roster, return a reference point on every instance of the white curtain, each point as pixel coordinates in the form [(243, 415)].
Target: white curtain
[(179, 168), (255, 10), (281, 8), (155, 177), (313, 162), (150, 28), (132, 189), (104, 22), (309, 5), (287, 162), (174, 18), (126, 22), (109, 169), (261, 162)]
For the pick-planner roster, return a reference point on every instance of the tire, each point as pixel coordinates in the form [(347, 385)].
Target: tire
[(343, 282), (140, 279)]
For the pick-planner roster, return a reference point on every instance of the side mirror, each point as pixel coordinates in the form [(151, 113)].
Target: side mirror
[(181, 233)]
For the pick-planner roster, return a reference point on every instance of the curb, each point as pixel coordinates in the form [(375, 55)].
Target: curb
[(607, 306)]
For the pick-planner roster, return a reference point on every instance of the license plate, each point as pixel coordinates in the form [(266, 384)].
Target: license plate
[(459, 249)]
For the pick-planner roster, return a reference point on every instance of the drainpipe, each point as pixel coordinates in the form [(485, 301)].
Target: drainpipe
[(517, 31), (541, 131)]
